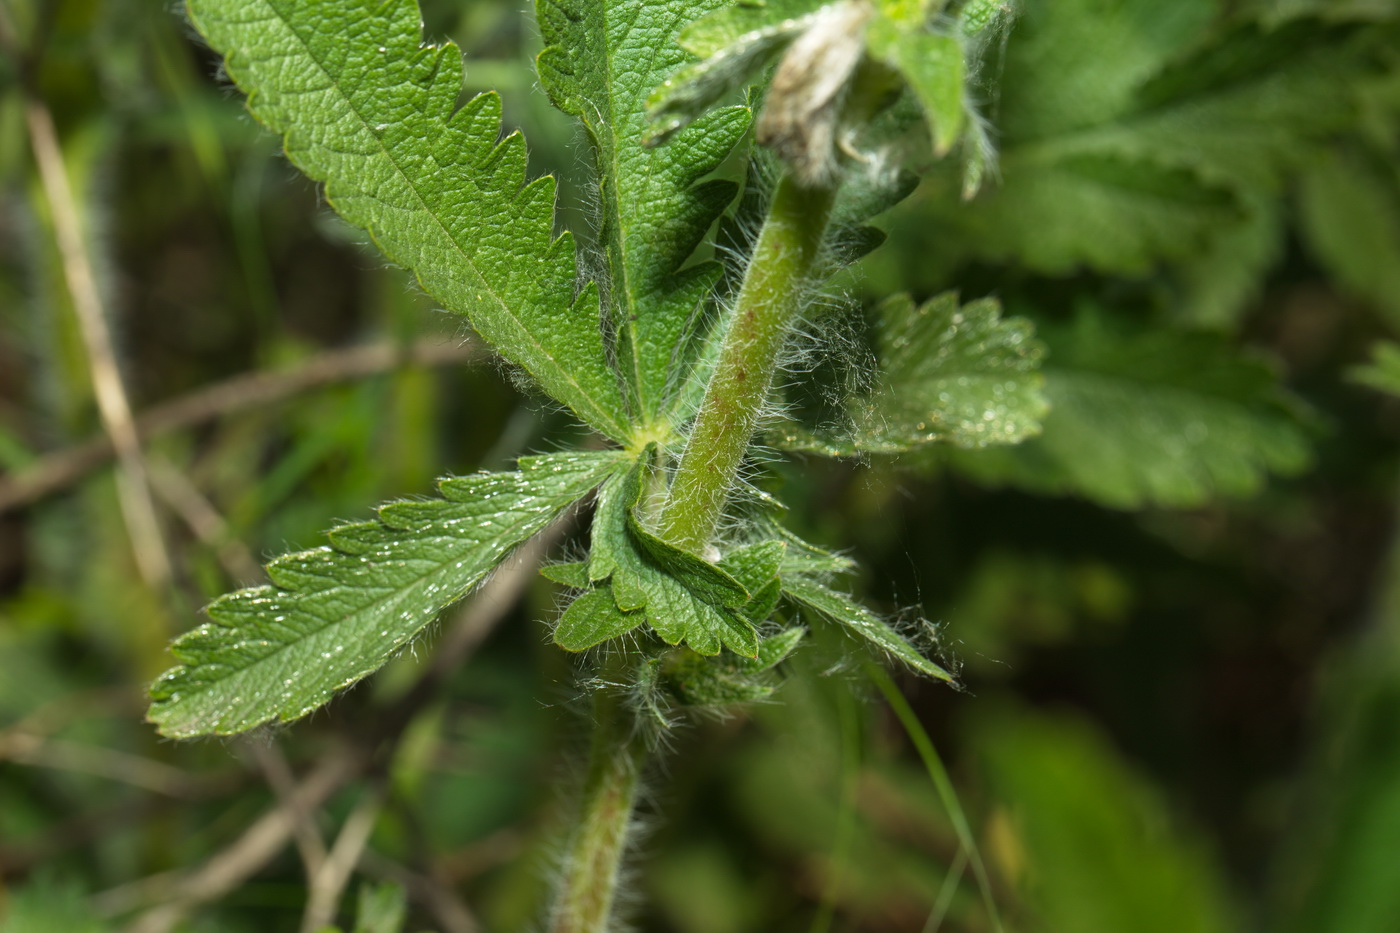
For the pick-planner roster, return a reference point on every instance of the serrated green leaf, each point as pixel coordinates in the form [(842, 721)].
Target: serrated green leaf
[(1218, 285), (1252, 102), (756, 567), (336, 614), (365, 108), (592, 619), (860, 622), (1110, 212), (685, 598), (1383, 372), (1163, 417), (602, 61), (774, 650), (948, 373), (708, 581)]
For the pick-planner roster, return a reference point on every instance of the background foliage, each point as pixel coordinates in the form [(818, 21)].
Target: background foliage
[(1176, 609)]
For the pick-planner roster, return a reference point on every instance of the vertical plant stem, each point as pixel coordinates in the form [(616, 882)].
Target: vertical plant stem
[(595, 856), (942, 783), (767, 308), (849, 718)]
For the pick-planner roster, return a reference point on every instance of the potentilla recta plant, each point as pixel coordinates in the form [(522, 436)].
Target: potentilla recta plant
[(692, 592)]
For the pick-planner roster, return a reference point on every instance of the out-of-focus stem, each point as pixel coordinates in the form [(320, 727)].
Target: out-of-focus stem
[(589, 890), (133, 489)]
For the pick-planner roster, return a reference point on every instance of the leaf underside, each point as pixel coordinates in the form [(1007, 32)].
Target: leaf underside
[(336, 614), (365, 108)]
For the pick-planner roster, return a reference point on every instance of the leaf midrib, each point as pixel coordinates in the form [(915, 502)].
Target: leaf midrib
[(599, 410), (624, 275), (360, 611)]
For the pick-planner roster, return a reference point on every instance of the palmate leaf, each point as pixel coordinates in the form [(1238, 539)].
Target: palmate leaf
[(1165, 417), (368, 110), (601, 62), (948, 373), (336, 614)]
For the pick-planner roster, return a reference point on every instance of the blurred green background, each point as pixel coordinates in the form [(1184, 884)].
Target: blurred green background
[(1178, 612)]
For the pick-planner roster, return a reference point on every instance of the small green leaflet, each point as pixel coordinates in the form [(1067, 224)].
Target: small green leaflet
[(364, 107), (1165, 417), (860, 622), (602, 60), (933, 64), (336, 614), (683, 597), (948, 373), (804, 568), (592, 619)]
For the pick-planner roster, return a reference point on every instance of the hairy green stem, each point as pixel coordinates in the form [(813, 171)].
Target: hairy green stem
[(595, 856), (769, 302), (768, 305)]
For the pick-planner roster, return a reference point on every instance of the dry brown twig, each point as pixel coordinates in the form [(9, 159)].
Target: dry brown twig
[(186, 500), (274, 767), (57, 471), (326, 885), (133, 489)]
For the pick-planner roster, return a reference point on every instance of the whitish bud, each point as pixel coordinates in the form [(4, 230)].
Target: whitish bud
[(803, 107)]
